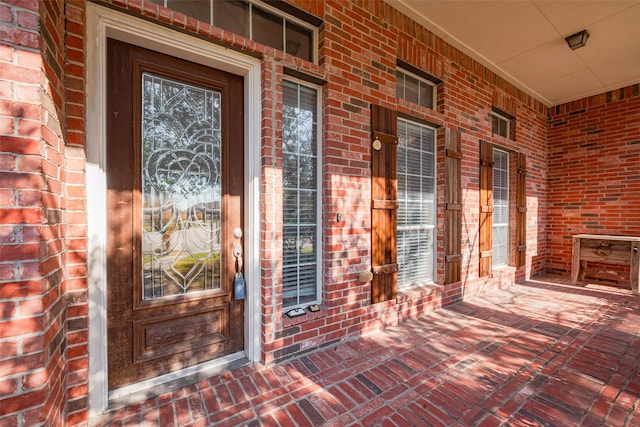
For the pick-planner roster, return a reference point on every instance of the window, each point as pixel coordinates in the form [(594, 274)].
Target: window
[(415, 89), (416, 203), (300, 171), (500, 214), (257, 21), (500, 125), (500, 231)]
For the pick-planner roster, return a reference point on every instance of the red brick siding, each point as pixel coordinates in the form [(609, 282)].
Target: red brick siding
[(359, 45), (32, 324), (594, 147), (75, 216), (43, 300)]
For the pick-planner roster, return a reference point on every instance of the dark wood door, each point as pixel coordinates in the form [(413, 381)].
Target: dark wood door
[(175, 185)]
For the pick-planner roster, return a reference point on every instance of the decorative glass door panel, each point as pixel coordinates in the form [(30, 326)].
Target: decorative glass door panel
[(175, 183), (181, 173)]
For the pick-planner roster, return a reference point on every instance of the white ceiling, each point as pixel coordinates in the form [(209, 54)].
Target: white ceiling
[(523, 41)]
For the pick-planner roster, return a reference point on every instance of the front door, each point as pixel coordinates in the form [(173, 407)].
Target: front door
[(175, 185)]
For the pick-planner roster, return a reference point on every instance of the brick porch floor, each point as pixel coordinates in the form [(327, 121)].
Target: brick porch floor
[(538, 354)]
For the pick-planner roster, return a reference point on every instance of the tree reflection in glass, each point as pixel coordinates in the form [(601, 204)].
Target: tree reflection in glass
[(300, 206), (181, 143)]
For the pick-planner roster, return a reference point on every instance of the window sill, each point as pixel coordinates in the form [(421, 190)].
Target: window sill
[(418, 291), (303, 318), (503, 270)]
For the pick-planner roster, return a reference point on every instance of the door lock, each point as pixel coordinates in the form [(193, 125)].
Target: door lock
[(237, 233)]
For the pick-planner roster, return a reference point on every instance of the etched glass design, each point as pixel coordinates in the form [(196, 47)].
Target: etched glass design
[(181, 143)]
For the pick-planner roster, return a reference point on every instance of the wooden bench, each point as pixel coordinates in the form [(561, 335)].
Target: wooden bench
[(617, 250)]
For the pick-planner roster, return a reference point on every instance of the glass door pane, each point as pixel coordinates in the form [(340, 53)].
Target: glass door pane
[(181, 172)]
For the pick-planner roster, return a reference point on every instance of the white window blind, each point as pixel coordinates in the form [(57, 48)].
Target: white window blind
[(300, 205), (500, 232), (416, 198)]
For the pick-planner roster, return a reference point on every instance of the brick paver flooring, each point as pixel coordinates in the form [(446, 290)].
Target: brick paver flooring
[(538, 354)]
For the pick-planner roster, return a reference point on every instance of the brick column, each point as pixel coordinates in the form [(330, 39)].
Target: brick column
[(32, 158)]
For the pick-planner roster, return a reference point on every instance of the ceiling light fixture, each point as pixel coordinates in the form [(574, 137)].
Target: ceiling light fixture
[(577, 40)]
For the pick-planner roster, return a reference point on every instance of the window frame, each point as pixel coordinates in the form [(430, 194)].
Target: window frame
[(506, 224), (502, 118), (311, 24), (286, 17), (517, 208), (403, 69), (319, 193), (434, 225)]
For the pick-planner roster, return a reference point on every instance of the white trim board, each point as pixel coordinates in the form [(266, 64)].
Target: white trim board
[(103, 23)]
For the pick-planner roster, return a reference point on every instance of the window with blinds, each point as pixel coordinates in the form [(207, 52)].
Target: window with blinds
[(500, 232), (416, 203), (301, 230)]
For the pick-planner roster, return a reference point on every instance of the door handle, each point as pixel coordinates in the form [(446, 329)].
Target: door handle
[(237, 252)]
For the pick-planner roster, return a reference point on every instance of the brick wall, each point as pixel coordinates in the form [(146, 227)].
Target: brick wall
[(75, 217), (594, 181), (43, 299), (359, 48), (32, 181)]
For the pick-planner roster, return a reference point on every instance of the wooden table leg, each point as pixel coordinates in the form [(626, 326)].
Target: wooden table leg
[(583, 270), (575, 260)]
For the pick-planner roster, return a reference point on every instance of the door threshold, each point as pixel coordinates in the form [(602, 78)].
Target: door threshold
[(154, 387)]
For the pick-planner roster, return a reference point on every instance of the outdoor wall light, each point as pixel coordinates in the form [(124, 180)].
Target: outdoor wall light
[(578, 39)]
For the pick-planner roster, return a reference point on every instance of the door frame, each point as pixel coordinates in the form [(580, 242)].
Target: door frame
[(103, 23)]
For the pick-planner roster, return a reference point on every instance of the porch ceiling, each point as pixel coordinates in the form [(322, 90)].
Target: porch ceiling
[(524, 41)]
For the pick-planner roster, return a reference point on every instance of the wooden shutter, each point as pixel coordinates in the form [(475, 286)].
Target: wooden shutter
[(486, 207), (384, 204), (453, 206), (521, 213)]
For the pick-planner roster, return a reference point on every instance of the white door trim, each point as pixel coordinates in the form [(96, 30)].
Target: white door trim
[(103, 23)]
